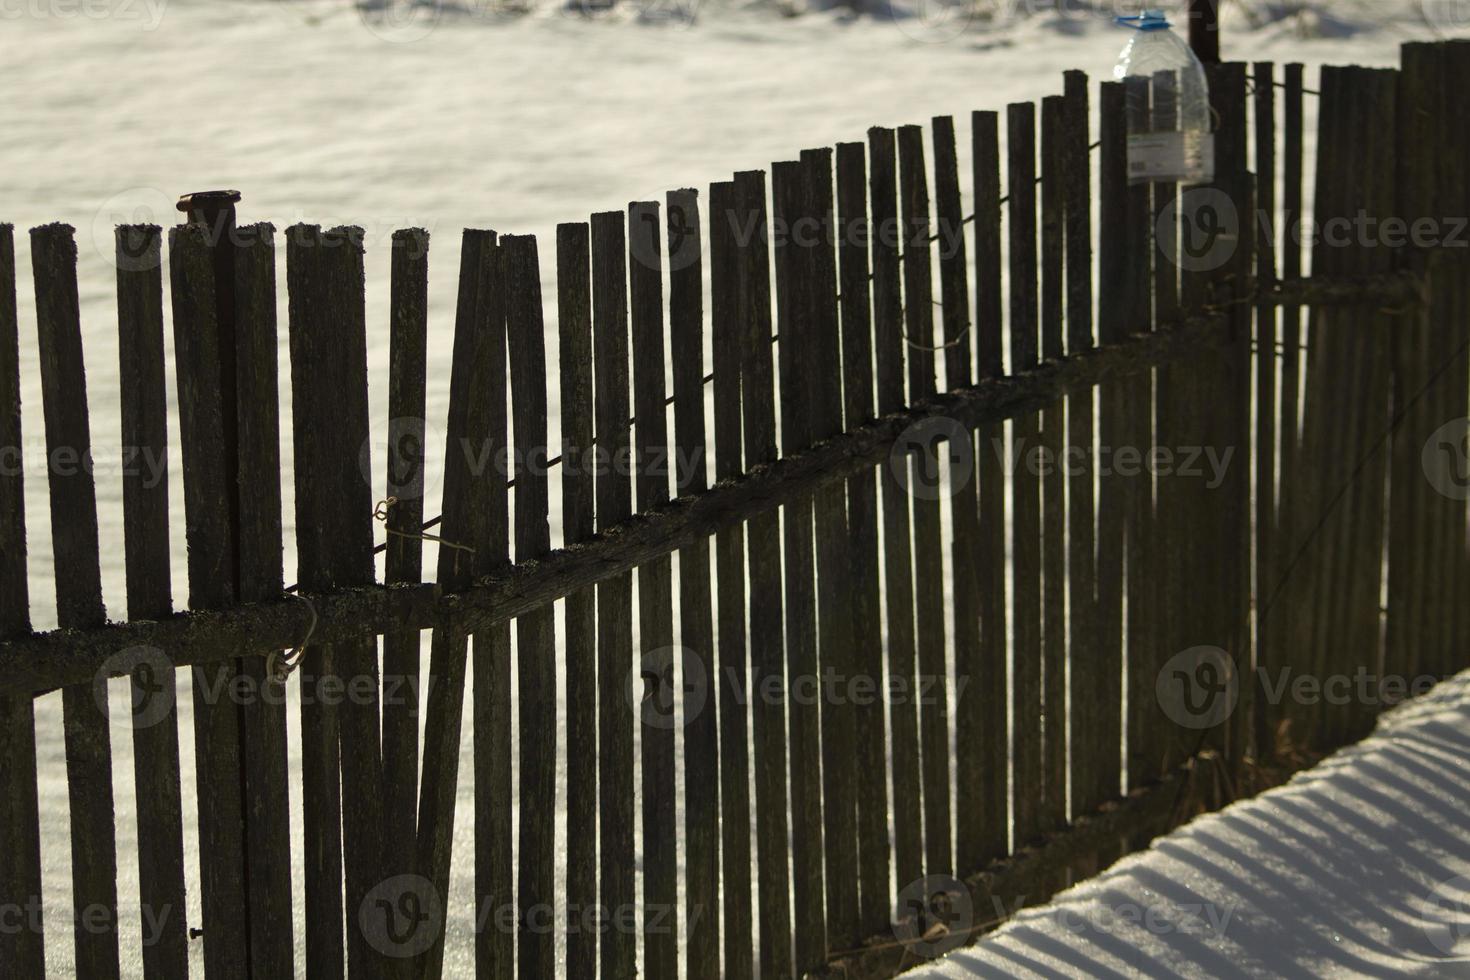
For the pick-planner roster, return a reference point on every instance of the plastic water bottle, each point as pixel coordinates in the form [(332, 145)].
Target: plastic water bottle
[(1170, 138)]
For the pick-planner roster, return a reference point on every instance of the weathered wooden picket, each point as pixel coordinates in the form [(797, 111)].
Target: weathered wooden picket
[(1022, 663)]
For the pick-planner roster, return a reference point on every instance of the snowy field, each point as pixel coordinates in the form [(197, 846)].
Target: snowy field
[(473, 115), (1358, 867)]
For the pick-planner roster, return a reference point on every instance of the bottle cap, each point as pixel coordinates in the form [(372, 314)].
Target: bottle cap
[(1149, 20)]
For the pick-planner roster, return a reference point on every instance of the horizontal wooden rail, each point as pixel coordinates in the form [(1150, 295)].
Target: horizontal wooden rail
[(44, 662)]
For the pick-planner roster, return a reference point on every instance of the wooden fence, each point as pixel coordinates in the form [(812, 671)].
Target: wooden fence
[(1021, 670)]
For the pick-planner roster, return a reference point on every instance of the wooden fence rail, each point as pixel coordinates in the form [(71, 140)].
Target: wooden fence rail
[(1022, 578)]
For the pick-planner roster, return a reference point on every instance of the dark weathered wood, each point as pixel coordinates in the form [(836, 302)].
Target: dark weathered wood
[(836, 653), (408, 324), (205, 434), (1281, 618), (23, 946), (535, 632), (1265, 450), (1412, 509), (929, 607), (1025, 483), (41, 662), (1291, 268), (615, 595), (1100, 712), (574, 327), (1053, 812), (1147, 646), (144, 402), (954, 283), (205, 343), (487, 502), (334, 521), (1164, 218), (967, 550), (654, 668), (1451, 338), (1204, 30), (1081, 492), (1352, 406), (477, 375), (262, 718), (1303, 592), (23, 950), (1441, 637), (888, 349), (1052, 252), (767, 647), (1446, 648), (726, 269), (37, 662), (1201, 530), (78, 594), (984, 822), (320, 745), (697, 629), (1231, 500), (1446, 346), (1148, 273), (864, 600), (796, 314)]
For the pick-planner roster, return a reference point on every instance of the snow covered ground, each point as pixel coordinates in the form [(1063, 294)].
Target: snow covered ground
[(1359, 867), (468, 115)]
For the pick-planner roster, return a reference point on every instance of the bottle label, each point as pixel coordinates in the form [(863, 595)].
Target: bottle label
[(1171, 156)]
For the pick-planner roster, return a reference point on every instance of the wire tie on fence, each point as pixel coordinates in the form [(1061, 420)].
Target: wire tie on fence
[(381, 511), (955, 342), (279, 666)]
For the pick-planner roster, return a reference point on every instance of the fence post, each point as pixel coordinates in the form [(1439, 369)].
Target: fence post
[(735, 796), (23, 951), (204, 415), (1204, 30), (248, 440), (144, 397)]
